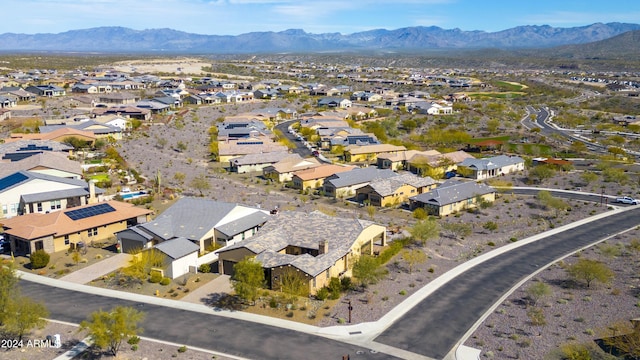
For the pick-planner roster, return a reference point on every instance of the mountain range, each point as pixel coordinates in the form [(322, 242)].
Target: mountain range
[(409, 39)]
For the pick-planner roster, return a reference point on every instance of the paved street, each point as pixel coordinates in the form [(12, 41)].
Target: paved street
[(434, 327), (219, 333)]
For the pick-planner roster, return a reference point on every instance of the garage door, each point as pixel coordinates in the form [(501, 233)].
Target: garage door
[(130, 245), (227, 267)]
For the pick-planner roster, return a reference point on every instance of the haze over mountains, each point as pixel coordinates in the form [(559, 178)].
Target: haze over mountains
[(120, 39)]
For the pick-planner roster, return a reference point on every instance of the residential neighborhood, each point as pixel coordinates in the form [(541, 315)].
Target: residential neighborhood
[(344, 186)]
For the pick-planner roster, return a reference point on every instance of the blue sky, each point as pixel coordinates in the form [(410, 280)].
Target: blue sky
[(233, 17)]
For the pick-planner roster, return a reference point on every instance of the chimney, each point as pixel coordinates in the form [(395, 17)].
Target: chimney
[(323, 247), (92, 193)]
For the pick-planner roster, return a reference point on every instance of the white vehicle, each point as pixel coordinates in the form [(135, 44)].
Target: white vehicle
[(627, 200)]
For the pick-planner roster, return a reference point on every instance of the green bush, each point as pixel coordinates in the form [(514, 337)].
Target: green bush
[(182, 349), (346, 283), (322, 294), (39, 259), (155, 277), (133, 340), (335, 287), (204, 268), (165, 281)]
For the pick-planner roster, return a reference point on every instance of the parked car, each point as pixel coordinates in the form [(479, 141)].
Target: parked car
[(627, 200)]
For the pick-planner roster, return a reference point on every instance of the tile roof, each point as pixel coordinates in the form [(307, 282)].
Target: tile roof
[(386, 187), (293, 163), (284, 230), (376, 148), (35, 226), (51, 160), (322, 171), (261, 158), (453, 191)]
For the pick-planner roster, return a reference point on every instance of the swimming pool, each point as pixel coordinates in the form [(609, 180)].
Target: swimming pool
[(133, 195)]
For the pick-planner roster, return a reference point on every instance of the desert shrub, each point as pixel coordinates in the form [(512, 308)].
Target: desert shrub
[(335, 287), (182, 349), (165, 281), (133, 340), (155, 277), (290, 314), (39, 259), (346, 283), (204, 268), (402, 292), (134, 347), (322, 294)]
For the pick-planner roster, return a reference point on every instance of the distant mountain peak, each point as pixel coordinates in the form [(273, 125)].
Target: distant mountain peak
[(122, 39)]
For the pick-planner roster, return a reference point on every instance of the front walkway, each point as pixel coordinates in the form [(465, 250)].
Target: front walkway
[(98, 269)]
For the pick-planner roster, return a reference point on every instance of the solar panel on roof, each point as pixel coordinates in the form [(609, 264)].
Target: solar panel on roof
[(11, 180), (89, 211)]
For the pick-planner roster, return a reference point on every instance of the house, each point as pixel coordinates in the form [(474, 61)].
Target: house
[(275, 114), (436, 165), (269, 94), (345, 184), (231, 148), (256, 162), (453, 196), (314, 178), (430, 108), (118, 98), (283, 170), (46, 90), (7, 102), (368, 153), (395, 190), (398, 161), (325, 247), (335, 102), (49, 163), (481, 169), (206, 223), (5, 114), (84, 88), (126, 111), (63, 230), (20, 149), (180, 257), (99, 130), (25, 192), (61, 134)]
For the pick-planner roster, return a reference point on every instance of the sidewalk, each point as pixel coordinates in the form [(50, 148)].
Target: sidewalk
[(99, 269)]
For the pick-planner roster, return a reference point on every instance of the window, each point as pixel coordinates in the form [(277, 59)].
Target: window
[(66, 239), (14, 208), (92, 232), (39, 207), (5, 210), (56, 204)]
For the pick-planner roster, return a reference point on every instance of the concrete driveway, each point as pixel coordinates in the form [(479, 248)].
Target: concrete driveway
[(98, 269), (204, 294)]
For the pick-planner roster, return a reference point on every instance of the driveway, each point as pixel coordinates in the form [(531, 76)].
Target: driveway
[(204, 294), (98, 269)]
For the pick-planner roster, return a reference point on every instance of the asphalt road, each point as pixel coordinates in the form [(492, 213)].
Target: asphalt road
[(434, 327), (300, 148), (227, 335)]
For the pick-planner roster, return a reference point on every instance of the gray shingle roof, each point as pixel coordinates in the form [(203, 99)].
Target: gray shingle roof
[(305, 231), (191, 218), (453, 191), (177, 248), (240, 225), (358, 176), (58, 194), (491, 163)]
